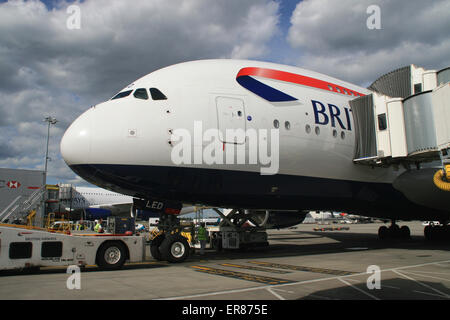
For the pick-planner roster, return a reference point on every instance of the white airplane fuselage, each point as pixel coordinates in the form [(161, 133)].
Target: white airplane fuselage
[(127, 144), (85, 197)]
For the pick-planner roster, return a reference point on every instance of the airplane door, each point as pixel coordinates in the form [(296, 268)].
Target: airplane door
[(231, 115)]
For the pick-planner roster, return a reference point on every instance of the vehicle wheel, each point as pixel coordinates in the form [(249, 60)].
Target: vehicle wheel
[(111, 255), (174, 248), (383, 232), (154, 247), (405, 232)]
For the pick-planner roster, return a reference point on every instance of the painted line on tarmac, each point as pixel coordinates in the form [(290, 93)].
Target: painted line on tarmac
[(254, 268), (443, 295), (240, 275), (303, 268), (356, 288), (294, 283)]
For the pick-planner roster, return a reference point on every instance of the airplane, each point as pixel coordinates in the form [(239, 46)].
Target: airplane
[(166, 138), (95, 203)]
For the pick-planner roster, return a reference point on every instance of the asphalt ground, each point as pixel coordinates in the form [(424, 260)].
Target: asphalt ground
[(300, 263)]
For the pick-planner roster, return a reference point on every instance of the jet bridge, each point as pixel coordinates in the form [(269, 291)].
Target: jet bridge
[(406, 120)]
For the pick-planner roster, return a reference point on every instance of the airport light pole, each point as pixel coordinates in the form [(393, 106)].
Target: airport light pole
[(50, 121)]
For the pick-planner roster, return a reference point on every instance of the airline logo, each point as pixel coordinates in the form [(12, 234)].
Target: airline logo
[(245, 78), (13, 184)]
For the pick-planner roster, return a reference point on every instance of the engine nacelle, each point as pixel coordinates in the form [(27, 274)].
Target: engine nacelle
[(277, 219), (418, 187)]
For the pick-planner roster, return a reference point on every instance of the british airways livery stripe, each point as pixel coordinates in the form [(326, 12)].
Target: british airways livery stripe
[(244, 78)]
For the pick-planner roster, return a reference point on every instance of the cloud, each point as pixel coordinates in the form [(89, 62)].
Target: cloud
[(48, 69), (332, 37)]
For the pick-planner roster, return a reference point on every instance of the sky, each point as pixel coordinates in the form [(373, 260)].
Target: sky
[(50, 69)]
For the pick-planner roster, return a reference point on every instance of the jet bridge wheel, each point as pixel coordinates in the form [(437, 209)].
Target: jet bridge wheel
[(174, 248)]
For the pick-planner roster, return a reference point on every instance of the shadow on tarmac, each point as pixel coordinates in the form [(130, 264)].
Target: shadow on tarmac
[(390, 289)]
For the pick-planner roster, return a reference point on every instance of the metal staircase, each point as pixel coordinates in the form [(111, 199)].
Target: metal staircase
[(21, 207)]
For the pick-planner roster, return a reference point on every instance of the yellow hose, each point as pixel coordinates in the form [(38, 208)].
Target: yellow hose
[(438, 179)]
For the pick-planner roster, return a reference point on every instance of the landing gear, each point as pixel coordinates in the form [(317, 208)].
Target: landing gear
[(236, 233), (437, 232), (169, 245), (394, 232), (174, 248), (154, 246)]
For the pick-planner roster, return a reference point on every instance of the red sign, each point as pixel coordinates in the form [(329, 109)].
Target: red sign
[(13, 184)]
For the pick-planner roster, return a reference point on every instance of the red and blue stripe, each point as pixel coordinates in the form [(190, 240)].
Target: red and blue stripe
[(245, 79)]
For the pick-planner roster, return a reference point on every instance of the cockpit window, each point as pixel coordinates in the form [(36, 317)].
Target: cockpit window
[(157, 95), (141, 93), (122, 94)]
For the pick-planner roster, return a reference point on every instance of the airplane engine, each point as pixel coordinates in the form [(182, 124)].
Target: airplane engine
[(418, 187), (277, 219)]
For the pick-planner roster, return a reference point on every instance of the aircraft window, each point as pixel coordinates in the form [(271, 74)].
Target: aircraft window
[(141, 93), (338, 90), (308, 128), (157, 95), (345, 91), (342, 135), (334, 133), (122, 94), (317, 130), (382, 123), (287, 125), (276, 123), (330, 87), (417, 87)]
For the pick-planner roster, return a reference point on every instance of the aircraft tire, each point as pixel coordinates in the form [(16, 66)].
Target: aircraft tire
[(175, 248), (427, 232), (154, 247), (383, 233), (405, 233)]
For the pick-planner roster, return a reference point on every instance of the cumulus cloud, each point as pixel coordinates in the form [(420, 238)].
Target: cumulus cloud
[(332, 37), (49, 69)]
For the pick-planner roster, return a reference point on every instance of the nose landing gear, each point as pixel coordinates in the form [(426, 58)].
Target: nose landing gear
[(169, 245)]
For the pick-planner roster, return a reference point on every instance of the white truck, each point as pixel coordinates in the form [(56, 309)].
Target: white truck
[(24, 247)]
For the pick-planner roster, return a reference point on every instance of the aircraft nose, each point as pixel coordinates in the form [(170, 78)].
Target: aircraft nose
[(76, 142)]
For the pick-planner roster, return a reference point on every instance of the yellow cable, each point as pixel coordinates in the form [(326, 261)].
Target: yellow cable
[(438, 179)]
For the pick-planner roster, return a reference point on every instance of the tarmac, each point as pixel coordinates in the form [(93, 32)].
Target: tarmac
[(299, 263)]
